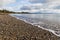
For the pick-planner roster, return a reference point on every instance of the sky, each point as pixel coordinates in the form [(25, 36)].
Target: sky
[(43, 6)]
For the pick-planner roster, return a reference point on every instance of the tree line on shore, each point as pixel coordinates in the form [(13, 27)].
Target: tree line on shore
[(7, 11)]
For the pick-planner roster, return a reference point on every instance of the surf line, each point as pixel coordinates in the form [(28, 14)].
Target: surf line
[(37, 25)]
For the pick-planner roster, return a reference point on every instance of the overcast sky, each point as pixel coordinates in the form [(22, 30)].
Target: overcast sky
[(44, 6)]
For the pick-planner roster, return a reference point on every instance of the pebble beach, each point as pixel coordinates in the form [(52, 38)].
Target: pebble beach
[(14, 29)]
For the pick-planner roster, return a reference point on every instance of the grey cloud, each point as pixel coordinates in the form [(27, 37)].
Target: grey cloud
[(25, 8), (57, 7), (37, 1), (32, 7)]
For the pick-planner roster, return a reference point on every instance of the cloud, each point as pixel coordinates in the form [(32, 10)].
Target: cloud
[(26, 8), (37, 1), (7, 1), (9, 8), (4, 3), (32, 6), (50, 6), (44, 6)]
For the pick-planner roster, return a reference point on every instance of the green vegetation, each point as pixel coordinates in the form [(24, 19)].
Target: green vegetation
[(6, 11), (11, 12)]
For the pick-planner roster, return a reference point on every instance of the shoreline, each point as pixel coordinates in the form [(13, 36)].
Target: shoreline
[(38, 26), (14, 29)]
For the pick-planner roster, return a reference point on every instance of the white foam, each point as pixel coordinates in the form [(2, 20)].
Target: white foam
[(38, 26), (49, 30)]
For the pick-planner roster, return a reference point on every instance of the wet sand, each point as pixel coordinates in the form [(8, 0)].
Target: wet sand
[(14, 29)]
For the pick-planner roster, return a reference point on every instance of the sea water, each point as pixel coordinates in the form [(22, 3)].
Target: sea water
[(50, 22)]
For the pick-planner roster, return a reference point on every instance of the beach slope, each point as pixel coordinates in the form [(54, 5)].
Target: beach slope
[(14, 29)]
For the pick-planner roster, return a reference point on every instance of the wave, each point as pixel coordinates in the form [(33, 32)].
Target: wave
[(25, 19)]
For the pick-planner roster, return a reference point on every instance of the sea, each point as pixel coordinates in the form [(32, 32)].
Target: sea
[(49, 22)]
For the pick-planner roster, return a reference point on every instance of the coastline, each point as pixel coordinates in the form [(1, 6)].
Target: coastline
[(14, 29), (37, 26)]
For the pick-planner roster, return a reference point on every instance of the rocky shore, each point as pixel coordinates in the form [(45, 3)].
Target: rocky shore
[(14, 29)]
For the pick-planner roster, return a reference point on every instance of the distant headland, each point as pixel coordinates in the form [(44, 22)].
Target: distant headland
[(12, 12)]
